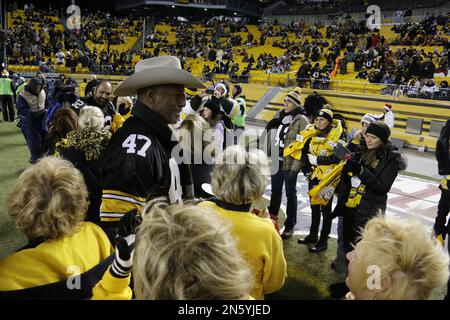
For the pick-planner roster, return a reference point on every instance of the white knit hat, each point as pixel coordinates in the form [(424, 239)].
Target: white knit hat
[(221, 85), (368, 118)]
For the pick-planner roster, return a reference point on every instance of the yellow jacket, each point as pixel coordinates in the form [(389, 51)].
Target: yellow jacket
[(261, 245), (55, 260), (323, 147), (295, 148)]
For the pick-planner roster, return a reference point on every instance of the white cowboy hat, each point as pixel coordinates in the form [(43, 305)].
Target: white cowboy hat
[(157, 71)]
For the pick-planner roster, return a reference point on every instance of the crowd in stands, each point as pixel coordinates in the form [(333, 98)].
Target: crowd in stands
[(405, 71), (342, 44), (37, 38), (113, 29)]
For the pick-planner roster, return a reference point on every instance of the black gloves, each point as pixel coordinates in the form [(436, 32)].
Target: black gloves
[(274, 123), (352, 166), (125, 240)]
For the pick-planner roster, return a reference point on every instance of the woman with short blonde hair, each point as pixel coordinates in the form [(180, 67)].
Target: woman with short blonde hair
[(238, 180), (410, 263), (48, 204), (44, 203), (186, 252), (180, 252), (240, 177), (91, 118)]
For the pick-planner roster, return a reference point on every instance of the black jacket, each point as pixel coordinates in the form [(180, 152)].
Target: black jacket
[(84, 149), (108, 110), (442, 154), (137, 165), (378, 182)]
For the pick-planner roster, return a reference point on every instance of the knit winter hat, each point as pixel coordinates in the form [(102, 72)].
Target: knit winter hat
[(387, 107), (214, 106), (295, 97), (238, 90), (326, 114), (378, 130), (33, 83), (221, 85), (368, 118)]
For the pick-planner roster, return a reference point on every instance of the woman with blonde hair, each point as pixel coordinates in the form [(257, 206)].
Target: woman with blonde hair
[(196, 137), (239, 179), (91, 118), (84, 147), (396, 260), (48, 204), (182, 252)]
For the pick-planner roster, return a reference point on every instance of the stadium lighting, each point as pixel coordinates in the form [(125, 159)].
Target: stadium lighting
[(235, 13), (173, 7), (206, 9)]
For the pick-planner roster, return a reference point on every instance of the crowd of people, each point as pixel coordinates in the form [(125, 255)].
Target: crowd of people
[(39, 35), (407, 71), (404, 71), (148, 186), (144, 183)]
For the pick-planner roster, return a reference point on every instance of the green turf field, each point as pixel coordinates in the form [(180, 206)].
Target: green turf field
[(13, 160), (309, 274)]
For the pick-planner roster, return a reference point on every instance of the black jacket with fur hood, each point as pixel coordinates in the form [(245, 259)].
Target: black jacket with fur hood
[(378, 182)]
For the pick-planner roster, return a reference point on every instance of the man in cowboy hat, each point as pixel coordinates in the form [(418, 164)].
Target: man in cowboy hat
[(137, 163)]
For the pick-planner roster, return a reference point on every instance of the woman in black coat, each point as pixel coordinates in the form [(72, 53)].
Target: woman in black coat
[(84, 147), (366, 179)]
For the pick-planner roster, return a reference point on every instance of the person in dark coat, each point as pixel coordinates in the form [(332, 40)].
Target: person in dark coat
[(441, 226), (84, 147), (302, 74), (366, 180), (427, 69), (31, 105)]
